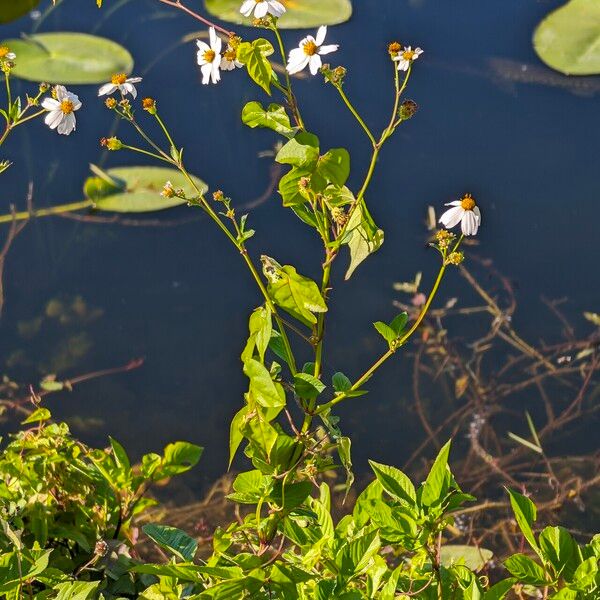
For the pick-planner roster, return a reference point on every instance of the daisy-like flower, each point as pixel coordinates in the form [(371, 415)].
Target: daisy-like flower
[(209, 57), (229, 60), (309, 52), (465, 212), (261, 8), (406, 57), (120, 82), (61, 110), (6, 54)]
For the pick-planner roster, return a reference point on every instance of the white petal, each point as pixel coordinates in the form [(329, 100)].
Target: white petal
[(296, 55), (328, 49), (247, 7), (315, 63), (468, 223), (61, 92), (206, 70), (296, 67), (276, 8), (227, 65), (216, 73), (452, 217), (212, 34), (107, 88), (477, 214), (418, 52), (53, 118), (403, 65), (134, 80), (67, 125), (261, 10), (128, 88), (202, 45), (50, 104), (453, 203), (321, 33)]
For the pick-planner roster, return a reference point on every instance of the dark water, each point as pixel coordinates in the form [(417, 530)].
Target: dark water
[(180, 297)]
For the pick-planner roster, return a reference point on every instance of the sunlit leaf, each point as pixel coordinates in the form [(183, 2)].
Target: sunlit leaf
[(273, 117), (69, 58), (172, 539), (364, 237)]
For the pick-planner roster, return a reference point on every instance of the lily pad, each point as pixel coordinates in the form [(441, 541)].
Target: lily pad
[(137, 189), (568, 39), (301, 14), (470, 556), (13, 9), (68, 58)]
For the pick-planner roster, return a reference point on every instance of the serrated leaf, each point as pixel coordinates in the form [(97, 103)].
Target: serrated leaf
[(395, 482), (525, 514), (437, 482), (172, 539), (525, 569)]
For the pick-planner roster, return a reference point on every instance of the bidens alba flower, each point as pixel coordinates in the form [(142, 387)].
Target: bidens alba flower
[(122, 83), (209, 57), (309, 53), (465, 212), (61, 110), (229, 60), (406, 57), (261, 8), (6, 54)]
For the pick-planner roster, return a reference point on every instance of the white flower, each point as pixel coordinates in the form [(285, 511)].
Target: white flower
[(465, 212), (122, 83), (61, 110), (309, 53), (229, 60), (6, 54), (261, 8), (406, 57), (209, 57)]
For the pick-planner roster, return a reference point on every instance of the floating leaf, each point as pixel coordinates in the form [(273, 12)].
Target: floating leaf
[(470, 556), (68, 58), (568, 39), (300, 13), (13, 9), (141, 189)]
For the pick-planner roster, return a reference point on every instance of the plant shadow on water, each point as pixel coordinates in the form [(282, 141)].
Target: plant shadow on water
[(517, 135)]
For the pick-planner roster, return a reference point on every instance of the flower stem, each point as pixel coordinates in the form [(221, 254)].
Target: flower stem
[(355, 113), (189, 11)]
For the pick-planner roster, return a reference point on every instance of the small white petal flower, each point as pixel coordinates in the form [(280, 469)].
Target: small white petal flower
[(61, 110), (209, 57), (406, 57), (122, 83), (465, 212), (261, 8), (229, 60), (309, 52), (6, 54)]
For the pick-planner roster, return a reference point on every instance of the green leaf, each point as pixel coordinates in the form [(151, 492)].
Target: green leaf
[(340, 382), (291, 495), (525, 569), (120, 456), (254, 56), (68, 58), (307, 386), (525, 515), (388, 334), (437, 482), (37, 416), (568, 39), (363, 239), (180, 457), (12, 10), (172, 539), (586, 574), (334, 166), (274, 117), (499, 590), (249, 487), (395, 482), (399, 322), (299, 15), (141, 189), (289, 188), (77, 590), (298, 295), (353, 558), (236, 432), (261, 328), (300, 151), (472, 557), (263, 389), (559, 549)]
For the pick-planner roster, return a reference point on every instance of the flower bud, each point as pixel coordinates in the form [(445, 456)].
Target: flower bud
[(44, 87), (168, 191), (110, 103), (394, 48), (111, 143), (101, 548), (218, 196), (149, 104), (407, 110), (455, 258), (339, 215)]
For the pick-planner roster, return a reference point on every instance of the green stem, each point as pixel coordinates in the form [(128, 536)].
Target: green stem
[(356, 115), (33, 116), (147, 153), (165, 130), (45, 212), (8, 93), (363, 378)]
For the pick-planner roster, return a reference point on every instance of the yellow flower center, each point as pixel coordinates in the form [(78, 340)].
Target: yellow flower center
[(408, 54), (310, 48), (66, 106), (209, 56), (4, 50), (230, 55), (118, 79), (467, 202)]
